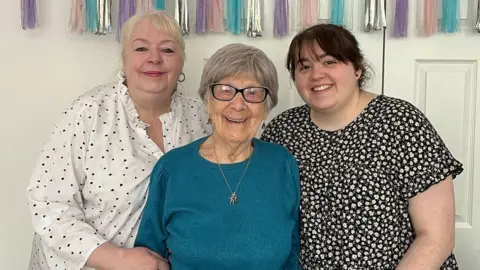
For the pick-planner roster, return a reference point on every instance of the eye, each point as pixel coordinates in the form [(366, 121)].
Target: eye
[(141, 49), (304, 67), (167, 50), (329, 62)]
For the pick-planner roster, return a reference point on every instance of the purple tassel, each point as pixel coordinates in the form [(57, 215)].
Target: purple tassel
[(401, 18), (280, 21), (29, 14), (126, 9), (201, 22)]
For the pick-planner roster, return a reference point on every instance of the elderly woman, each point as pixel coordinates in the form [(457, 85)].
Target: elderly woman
[(88, 190), (229, 200), (376, 177)]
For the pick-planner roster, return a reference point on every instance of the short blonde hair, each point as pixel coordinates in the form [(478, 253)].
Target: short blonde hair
[(161, 21), (239, 59)]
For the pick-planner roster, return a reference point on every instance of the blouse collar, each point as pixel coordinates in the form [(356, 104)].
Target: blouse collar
[(132, 112)]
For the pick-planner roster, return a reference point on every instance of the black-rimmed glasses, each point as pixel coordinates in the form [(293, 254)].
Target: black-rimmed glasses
[(225, 92)]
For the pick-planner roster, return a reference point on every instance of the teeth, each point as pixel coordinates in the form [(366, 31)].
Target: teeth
[(322, 87), (236, 121)]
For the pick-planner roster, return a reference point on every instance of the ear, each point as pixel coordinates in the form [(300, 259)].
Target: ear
[(358, 73)]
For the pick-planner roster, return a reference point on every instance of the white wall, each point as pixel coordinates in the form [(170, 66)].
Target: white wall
[(42, 71)]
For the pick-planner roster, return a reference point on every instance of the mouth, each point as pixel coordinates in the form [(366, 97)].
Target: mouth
[(235, 121), (321, 88), (154, 73)]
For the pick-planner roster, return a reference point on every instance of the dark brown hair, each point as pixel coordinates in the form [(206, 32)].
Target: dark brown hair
[(335, 41)]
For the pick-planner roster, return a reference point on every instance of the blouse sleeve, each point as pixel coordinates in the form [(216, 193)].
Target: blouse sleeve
[(424, 159), (152, 233), (293, 262), (55, 189)]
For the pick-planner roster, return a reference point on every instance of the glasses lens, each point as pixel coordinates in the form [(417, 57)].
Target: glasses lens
[(255, 94), (223, 92)]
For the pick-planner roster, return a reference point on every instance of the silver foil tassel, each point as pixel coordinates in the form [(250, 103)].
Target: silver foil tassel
[(369, 14), (253, 27), (380, 18), (182, 16), (375, 18), (477, 25), (104, 17)]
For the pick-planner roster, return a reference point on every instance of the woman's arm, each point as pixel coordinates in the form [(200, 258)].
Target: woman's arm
[(293, 262), (433, 218), (55, 190), (152, 233)]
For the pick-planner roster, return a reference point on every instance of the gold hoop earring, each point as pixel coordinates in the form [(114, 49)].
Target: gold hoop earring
[(182, 78)]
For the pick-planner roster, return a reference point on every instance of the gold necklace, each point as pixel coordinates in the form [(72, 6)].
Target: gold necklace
[(233, 194)]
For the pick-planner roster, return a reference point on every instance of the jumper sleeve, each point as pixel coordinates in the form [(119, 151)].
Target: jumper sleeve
[(152, 233), (294, 177)]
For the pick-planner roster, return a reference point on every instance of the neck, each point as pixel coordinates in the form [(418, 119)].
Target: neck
[(230, 152), (340, 117), (150, 106)]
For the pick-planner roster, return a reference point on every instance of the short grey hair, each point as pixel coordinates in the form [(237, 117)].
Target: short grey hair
[(239, 59)]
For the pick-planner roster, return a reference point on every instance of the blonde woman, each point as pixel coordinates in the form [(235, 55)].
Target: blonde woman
[(88, 190)]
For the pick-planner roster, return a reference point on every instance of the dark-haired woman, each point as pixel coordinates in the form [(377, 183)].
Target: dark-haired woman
[(377, 190)]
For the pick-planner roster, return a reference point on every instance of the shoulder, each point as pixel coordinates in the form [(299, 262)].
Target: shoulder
[(273, 151), (291, 116), (178, 157), (92, 99), (187, 101)]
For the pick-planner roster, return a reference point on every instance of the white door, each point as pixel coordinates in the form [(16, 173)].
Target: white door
[(440, 75)]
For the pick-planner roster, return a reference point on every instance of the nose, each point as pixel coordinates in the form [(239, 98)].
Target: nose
[(155, 57), (238, 103), (318, 72)]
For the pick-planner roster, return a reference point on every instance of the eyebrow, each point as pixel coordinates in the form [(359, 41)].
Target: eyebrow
[(146, 41), (317, 58)]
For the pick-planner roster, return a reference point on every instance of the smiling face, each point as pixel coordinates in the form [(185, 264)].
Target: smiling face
[(236, 121), (323, 82), (152, 60)]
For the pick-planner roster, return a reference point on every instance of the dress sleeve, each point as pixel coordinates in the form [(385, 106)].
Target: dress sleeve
[(424, 159), (152, 233), (55, 190), (293, 262)]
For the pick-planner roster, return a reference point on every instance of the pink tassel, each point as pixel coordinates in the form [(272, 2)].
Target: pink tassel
[(308, 13), (430, 17), (78, 17), (214, 9), (143, 6)]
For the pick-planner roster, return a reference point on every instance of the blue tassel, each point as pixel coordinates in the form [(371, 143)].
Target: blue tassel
[(450, 20), (234, 16), (337, 12), (160, 4), (92, 15)]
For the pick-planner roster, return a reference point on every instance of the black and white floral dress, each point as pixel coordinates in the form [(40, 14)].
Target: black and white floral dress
[(356, 182)]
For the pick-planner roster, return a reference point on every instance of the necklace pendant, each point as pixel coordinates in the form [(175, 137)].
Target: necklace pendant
[(233, 198)]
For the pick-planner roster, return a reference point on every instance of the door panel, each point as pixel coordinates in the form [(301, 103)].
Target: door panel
[(440, 74)]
